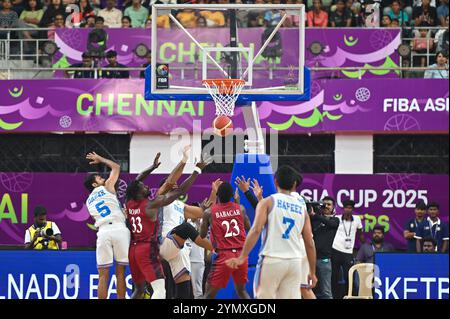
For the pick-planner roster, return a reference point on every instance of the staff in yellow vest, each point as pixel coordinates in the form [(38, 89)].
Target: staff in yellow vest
[(42, 234)]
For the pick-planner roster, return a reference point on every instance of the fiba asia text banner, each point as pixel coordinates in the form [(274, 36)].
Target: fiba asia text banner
[(411, 276), (118, 105), (52, 275), (342, 47), (388, 200)]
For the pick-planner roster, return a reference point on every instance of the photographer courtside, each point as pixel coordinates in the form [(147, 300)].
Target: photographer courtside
[(43, 234)]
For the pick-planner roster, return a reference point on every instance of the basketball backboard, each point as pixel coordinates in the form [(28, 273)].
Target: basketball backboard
[(192, 43)]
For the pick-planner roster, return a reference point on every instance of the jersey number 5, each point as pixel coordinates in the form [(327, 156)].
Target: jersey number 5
[(102, 209), (291, 223), (235, 231)]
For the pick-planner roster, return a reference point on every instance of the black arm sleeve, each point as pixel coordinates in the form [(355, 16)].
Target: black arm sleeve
[(186, 231), (251, 198), (332, 222)]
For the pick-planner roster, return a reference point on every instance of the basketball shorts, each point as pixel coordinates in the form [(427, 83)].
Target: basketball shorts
[(113, 242), (177, 257), (144, 265), (220, 273), (277, 278)]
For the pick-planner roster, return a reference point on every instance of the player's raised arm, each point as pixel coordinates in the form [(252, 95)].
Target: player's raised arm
[(144, 174), (262, 210), (194, 212), (206, 222), (176, 173), (247, 224), (94, 159), (310, 250), (170, 197)]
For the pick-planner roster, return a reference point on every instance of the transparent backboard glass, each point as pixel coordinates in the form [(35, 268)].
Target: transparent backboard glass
[(191, 43)]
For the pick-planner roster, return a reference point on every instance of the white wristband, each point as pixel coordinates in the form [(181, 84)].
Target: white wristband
[(197, 169)]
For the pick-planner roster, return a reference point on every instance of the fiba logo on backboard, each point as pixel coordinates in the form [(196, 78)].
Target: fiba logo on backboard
[(162, 76)]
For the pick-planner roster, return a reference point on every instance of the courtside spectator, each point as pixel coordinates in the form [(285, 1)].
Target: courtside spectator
[(111, 56), (422, 44), (187, 18), (89, 22), (85, 11), (342, 255), (317, 17), (213, 18), (409, 231), (433, 227), (137, 13), (8, 17), (55, 7), (429, 245), (425, 13), (126, 22), (256, 17), (86, 62), (57, 24), (386, 21), (355, 10), (32, 14), (112, 15), (396, 12), (367, 251), (293, 20), (341, 17), (43, 234), (441, 62), (442, 13), (324, 226)]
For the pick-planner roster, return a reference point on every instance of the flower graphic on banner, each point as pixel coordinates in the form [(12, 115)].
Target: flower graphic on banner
[(16, 92), (65, 121), (362, 94), (350, 41)]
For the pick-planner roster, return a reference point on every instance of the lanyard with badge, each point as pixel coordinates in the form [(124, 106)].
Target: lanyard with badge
[(348, 239), (431, 230)]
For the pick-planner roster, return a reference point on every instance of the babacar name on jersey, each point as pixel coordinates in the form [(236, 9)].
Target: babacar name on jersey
[(230, 213)]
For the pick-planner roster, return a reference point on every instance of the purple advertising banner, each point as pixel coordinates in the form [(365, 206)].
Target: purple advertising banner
[(371, 105), (387, 200), (343, 47)]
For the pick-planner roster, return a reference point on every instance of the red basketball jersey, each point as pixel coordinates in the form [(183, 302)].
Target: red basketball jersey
[(143, 229), (227, 226)]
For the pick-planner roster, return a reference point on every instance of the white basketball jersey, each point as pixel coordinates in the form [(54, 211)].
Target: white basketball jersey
[(172, 216), (104, 207), (282, 235)]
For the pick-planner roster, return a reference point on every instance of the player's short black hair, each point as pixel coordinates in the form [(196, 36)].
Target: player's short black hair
[(89, 180), (99, 19), (433, 205), (421, 205), (348, 202), (133, 190), (225, 192), (40, 210), (429, 240), (287, 176), (331, 199), (378, 227)]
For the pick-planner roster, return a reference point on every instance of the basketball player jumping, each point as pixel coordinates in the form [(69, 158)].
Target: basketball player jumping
[(283, 219), (229, 223), (113, 237), (142, 213), (174, 247)]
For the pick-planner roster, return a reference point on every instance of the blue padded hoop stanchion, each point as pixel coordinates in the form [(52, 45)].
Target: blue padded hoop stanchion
[(254, 166)]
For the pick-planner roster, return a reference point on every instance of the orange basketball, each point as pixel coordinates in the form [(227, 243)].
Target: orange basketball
[(223, 125)]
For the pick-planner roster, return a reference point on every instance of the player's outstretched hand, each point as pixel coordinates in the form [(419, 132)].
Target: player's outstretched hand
[(243, 184), (216, 184), (257, 189), (186, 151), (94, 158), (205, 161), (156, 161), (234, 263), (312, 279)]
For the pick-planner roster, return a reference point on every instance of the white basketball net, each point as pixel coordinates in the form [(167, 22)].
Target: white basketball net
[(225, 94)]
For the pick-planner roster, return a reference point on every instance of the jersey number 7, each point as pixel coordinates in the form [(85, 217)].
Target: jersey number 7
[(291, 223)]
